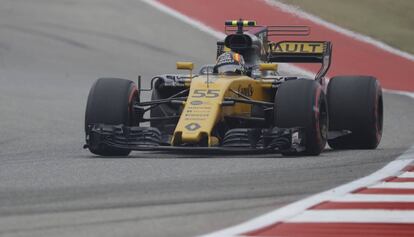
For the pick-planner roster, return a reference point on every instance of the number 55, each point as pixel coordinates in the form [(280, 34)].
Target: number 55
[(199, 93)]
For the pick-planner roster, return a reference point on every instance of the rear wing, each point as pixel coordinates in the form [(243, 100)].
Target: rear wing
[(231, 27), (302, 52), (251, 40)]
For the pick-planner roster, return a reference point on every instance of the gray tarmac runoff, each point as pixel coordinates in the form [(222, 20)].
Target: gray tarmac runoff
[(50, 54)]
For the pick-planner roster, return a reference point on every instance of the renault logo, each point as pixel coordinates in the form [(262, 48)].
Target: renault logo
[(192, 126)]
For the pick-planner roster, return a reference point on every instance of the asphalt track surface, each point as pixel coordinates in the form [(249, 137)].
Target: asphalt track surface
[(50, 54)]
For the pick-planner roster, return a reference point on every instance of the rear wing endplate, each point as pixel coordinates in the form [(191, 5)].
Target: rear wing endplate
[(302, 52)]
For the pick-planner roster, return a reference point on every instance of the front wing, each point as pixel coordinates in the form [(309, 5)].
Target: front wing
[(236, 141)]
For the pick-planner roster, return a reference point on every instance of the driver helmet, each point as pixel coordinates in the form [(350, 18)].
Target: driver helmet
[(230, 63)]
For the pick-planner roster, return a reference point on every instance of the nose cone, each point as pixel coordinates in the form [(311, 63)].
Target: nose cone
[(201, 111)]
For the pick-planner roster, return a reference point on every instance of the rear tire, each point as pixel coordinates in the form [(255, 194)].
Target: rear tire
[(355, 104), (110, 102), (302, 103)]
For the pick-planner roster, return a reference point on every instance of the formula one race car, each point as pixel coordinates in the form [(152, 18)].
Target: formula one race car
[(240, 104)]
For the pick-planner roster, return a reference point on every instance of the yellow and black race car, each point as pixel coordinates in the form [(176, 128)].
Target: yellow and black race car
[(240, 104)]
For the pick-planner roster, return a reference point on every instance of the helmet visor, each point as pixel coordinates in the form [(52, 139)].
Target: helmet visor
[(230, 68)]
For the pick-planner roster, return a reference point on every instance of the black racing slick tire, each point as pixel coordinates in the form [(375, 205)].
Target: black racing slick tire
[(355, 104), (110, 101), (302, 103)]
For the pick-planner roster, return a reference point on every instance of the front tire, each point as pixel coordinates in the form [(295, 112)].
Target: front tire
[(110, 101), (355, 104), (302, 103)]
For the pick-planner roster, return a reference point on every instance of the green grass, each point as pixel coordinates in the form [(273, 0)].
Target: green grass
[(390, 21)]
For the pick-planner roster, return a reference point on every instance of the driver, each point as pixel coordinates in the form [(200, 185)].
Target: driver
[(230, 63)]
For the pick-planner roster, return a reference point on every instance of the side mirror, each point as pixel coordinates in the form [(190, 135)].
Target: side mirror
[(268, 67), (185, 65)]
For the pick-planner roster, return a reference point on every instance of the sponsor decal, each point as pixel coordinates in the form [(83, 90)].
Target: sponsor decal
[(198, 112), (196, 102), (298, 47), (247, 91)]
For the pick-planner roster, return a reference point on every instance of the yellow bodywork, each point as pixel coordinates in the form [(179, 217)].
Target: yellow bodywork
[(185, 65), (203, 108), (268, 67)]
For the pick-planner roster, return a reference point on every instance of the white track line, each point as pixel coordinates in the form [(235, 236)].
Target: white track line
[(298, 207), (304, 15), (354, 216), (373, 198), (392, 185), (193, 22), (406, 93), (407, 175)]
